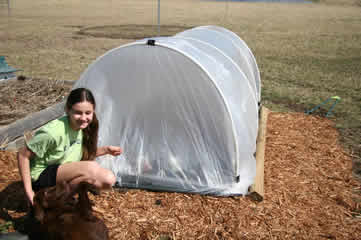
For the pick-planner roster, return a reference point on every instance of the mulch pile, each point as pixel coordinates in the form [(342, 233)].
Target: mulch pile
[(19, 98), (309, 194)]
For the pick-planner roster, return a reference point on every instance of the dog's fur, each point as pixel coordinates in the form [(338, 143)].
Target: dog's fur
[(63, 217)]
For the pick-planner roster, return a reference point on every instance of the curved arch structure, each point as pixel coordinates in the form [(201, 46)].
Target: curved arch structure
[(184, 109)]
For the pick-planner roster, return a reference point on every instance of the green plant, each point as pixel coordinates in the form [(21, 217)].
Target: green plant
[(5, 226)]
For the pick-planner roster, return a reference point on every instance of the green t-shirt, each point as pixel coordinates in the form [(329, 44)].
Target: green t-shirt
[(54, 143)]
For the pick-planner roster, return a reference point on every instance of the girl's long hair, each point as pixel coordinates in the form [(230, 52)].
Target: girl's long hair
[(90, 133)]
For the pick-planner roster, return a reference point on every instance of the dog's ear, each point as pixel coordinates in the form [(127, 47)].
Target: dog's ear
[(62, 189), (40, 199), (39, 212)]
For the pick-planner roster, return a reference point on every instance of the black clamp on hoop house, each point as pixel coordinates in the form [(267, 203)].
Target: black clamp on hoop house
[(151, 42)]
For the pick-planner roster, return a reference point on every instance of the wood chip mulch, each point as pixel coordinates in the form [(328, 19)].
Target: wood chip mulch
[(18, 98), (309, 194)]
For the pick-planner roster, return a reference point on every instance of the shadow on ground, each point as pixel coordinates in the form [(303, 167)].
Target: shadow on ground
[(132, 31), (14, 207)]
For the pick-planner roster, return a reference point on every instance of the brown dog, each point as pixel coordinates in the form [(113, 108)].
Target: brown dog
[(63, 217)]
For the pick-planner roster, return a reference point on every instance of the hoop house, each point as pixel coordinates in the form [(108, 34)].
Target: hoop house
[(183, 108)]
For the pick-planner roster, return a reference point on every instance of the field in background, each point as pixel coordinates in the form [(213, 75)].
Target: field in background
[(305, 52)]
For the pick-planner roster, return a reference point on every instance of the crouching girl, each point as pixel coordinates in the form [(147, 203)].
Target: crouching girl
[(64, 149)]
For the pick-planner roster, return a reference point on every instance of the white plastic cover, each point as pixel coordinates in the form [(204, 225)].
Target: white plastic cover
[(184, 110)]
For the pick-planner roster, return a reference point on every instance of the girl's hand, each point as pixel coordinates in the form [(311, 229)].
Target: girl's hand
[(30, 196), (114, 150)]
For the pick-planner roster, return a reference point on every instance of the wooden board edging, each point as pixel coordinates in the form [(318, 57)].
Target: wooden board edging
[(257, 189)]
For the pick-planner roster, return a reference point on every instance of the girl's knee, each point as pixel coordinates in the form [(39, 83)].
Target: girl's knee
[(102, 175), (109, 179), (92, 169)]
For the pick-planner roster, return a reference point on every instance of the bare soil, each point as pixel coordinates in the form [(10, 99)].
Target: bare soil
[(131, 31)]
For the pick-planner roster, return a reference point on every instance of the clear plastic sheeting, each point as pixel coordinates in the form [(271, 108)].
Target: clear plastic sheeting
[(233, 47), (184, 111)]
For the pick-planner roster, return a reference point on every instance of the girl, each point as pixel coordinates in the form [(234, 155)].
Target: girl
[(64, 149)]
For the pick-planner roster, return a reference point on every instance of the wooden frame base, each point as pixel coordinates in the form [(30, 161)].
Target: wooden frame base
[(257, 189)]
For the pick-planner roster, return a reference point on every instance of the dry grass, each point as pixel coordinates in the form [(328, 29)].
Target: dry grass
[(41, 36)]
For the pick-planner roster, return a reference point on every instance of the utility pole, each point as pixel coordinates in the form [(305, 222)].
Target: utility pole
[(8, 8), (3, 4), (158, 18)]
